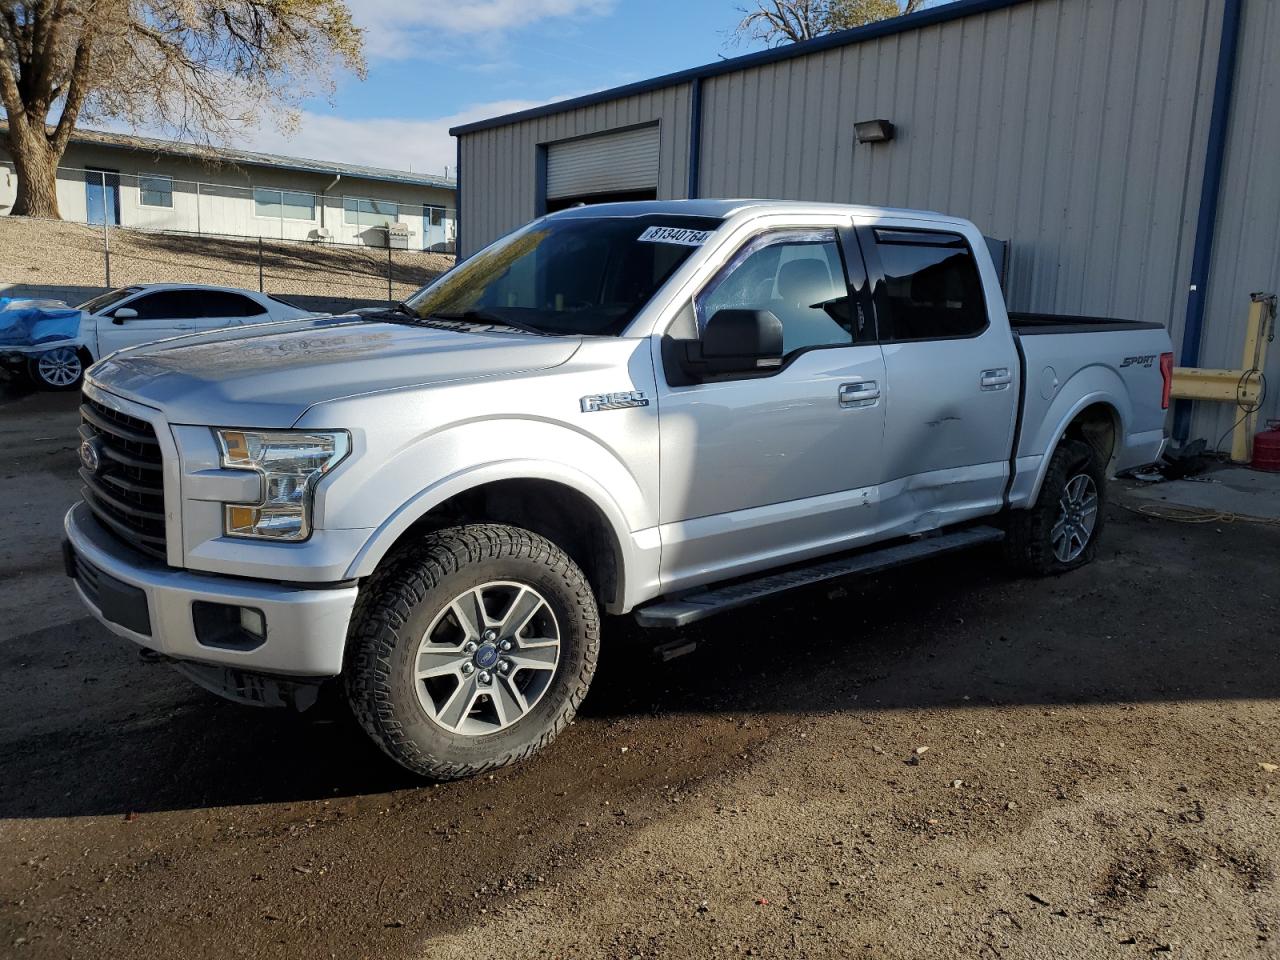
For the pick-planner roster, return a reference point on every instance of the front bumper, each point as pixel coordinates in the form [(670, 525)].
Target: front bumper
[(153, 605)]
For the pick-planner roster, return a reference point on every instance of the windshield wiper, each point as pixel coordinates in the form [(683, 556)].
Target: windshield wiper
[(394, 309), (485, 317)]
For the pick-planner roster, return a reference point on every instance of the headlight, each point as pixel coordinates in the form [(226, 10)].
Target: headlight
[(291, 463)]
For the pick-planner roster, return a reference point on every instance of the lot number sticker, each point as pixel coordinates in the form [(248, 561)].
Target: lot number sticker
[(680, 235)]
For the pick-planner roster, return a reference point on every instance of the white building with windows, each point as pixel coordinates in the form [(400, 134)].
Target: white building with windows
[(150, 184)]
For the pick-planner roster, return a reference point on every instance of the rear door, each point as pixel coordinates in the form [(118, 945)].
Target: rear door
[(951, 371), (222, 308), (161, 314)]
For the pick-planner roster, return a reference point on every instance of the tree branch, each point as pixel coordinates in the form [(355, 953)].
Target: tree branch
[(75, 95), (9, 93)]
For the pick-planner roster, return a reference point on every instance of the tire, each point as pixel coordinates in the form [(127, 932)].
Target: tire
[(1034, 540), (409, 619), (61, 368)]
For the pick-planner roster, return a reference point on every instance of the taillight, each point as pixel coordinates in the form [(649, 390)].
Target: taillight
[(1166, 374)]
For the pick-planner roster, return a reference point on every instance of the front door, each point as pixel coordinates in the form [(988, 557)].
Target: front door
[(102, 196), (760, 470), (162, 314), (952, 377)]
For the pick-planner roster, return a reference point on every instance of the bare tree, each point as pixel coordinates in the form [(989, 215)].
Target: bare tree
[(200, 69), (790, 21)]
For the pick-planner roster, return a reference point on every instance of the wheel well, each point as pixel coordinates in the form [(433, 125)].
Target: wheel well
[(567, 518), (1096, 425)]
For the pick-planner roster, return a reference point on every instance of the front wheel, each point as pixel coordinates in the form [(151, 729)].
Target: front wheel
[(58, 369), (1061, 531), (471, 649)]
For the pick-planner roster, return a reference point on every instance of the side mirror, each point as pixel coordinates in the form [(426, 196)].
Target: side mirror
[(123, 314), (742, 340)]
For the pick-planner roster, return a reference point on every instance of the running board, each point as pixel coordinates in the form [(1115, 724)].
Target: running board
[(700, 604)]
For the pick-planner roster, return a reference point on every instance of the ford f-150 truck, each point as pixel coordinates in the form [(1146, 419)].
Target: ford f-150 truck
[(667, 408)]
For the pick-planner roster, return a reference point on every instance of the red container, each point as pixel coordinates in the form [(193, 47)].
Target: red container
[(1266, 448)]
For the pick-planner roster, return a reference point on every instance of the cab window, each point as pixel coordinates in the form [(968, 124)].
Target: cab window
[(798, 275), (932, 289)]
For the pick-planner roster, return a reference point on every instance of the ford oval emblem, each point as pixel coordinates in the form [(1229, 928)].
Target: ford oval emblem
[(89, 456)]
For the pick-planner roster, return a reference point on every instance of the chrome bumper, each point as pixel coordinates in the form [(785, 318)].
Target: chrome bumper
[(154, 605)]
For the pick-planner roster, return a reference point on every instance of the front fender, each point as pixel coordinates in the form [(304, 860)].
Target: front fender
[(511, 449)]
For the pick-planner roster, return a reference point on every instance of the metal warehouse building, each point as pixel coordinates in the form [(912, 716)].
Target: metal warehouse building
[(1127, 150)]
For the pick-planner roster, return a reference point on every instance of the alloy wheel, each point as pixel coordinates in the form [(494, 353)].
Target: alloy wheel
[(1077, 517), (60, 367), (487, 658)]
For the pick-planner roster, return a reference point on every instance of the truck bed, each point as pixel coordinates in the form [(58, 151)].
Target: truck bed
[(1029, 324)]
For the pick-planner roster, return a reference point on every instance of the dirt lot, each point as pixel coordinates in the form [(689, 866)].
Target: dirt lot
[(1095, 784)]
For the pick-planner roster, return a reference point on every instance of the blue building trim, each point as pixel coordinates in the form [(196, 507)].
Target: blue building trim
[(695, 138), (872, 31), (540, 180), (457, 203), (1210, 193)]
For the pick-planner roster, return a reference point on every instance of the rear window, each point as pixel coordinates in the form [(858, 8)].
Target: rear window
[(281, 300), (932, 290)]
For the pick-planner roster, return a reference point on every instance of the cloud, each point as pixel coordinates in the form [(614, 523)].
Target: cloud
[(421, 145), (400, 28)]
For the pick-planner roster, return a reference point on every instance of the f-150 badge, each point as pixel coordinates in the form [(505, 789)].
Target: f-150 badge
[(614, 401)]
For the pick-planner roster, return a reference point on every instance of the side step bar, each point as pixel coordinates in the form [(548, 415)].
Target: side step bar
[(700, 604)]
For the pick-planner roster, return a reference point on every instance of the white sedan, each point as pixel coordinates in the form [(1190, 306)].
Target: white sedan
[(129, 316)]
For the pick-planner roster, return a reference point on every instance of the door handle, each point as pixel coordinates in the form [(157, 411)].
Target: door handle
[(998, 379), (863, 393)]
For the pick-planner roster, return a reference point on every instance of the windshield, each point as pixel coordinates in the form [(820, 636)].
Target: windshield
[(587, 275), (104, 300)]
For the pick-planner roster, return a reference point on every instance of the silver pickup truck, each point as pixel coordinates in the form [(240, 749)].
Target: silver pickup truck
[(667, 409)]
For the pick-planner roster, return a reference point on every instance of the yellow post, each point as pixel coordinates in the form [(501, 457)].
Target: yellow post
[(1254, 362), (1242, 387)]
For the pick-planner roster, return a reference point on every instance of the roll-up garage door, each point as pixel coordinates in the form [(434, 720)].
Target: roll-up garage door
[(620, 162)]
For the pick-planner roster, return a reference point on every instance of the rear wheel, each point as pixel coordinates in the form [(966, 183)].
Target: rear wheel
[(1061, 531), (61, 368), (471, 649)]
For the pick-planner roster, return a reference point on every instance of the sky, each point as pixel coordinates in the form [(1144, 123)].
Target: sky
[(436, 63)]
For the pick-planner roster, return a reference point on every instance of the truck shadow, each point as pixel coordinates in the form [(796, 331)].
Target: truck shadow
[(1168, 613)]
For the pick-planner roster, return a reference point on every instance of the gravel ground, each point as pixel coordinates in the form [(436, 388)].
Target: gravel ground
[(56, 254), (1098, 780)]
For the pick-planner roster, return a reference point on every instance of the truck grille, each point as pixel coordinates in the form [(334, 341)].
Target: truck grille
[(126, 492)]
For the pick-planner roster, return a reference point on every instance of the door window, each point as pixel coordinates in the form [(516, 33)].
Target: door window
[(798, 275), (168, 305), (219, 303), (932, 290)]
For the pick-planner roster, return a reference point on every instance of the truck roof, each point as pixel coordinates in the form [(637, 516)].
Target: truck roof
[(725, 208)]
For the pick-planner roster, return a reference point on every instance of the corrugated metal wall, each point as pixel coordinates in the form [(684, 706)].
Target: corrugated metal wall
[(1063, 126), (1075, 129), (499, 165), (1246, 255)]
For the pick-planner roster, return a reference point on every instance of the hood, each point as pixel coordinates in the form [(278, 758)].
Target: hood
[(27, 323), (269, 375)]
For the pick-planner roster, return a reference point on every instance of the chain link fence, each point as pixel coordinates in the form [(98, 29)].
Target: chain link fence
[(66, 261), (326, 252)]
